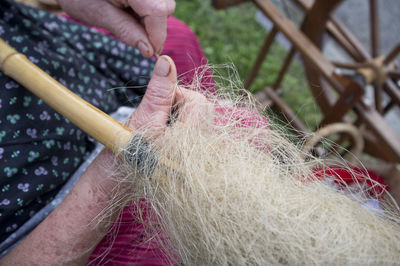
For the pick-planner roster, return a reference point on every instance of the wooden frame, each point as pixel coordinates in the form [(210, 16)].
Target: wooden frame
[(381, 140)]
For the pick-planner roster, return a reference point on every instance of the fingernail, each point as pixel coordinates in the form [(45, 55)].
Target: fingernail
[(143, 48), (162, 66)]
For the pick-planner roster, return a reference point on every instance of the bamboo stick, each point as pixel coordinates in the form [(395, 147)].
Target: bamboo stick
[(88, 118)]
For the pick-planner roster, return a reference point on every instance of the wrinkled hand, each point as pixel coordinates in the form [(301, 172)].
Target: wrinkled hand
[(161, 95), (139, 23), (69, 234)]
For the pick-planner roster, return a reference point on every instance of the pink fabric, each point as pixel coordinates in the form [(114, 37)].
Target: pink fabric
[(243, 116), (127, 242), (184, 48)]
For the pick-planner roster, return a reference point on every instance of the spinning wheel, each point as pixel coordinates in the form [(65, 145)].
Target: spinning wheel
[(378, 71), (338, 88)]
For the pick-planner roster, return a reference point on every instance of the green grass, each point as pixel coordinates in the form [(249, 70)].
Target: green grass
[(234, 36)]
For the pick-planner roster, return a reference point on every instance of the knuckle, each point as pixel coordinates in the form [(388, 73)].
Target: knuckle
[(124, 32), (160, 94)]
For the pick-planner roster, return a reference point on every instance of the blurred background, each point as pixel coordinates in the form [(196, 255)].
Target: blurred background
[(237, 33)]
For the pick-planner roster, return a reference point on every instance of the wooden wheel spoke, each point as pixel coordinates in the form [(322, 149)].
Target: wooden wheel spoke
[(394, 74), (347, 65), (393, 91), (378, 91), (346, 39), (374, 27), (392, 55), (261, 56), (388, 106)]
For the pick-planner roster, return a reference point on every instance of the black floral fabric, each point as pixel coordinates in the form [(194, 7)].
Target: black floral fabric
[(39, 149)]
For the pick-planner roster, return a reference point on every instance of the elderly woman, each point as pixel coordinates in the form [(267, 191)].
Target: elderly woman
[(40, 151)]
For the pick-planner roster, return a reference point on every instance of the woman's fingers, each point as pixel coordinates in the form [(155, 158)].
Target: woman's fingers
[(193, 105), (145, 28), (127, 29), (161, 95), (156, 29), (155, 107), (154, 14)]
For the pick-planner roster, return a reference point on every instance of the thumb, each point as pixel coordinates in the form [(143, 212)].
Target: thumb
[(156, 104)]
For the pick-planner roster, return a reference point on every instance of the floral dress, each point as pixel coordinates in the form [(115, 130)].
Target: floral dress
[(39, 149)]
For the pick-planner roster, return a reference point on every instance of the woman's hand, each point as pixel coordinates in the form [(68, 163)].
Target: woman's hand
[(71, 232), (139, 23)]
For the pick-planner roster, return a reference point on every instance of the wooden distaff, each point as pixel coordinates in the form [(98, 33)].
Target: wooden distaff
[(94, 122), (90, 119)]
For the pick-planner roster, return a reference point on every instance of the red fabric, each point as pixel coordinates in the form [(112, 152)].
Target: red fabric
[(353, 176)]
